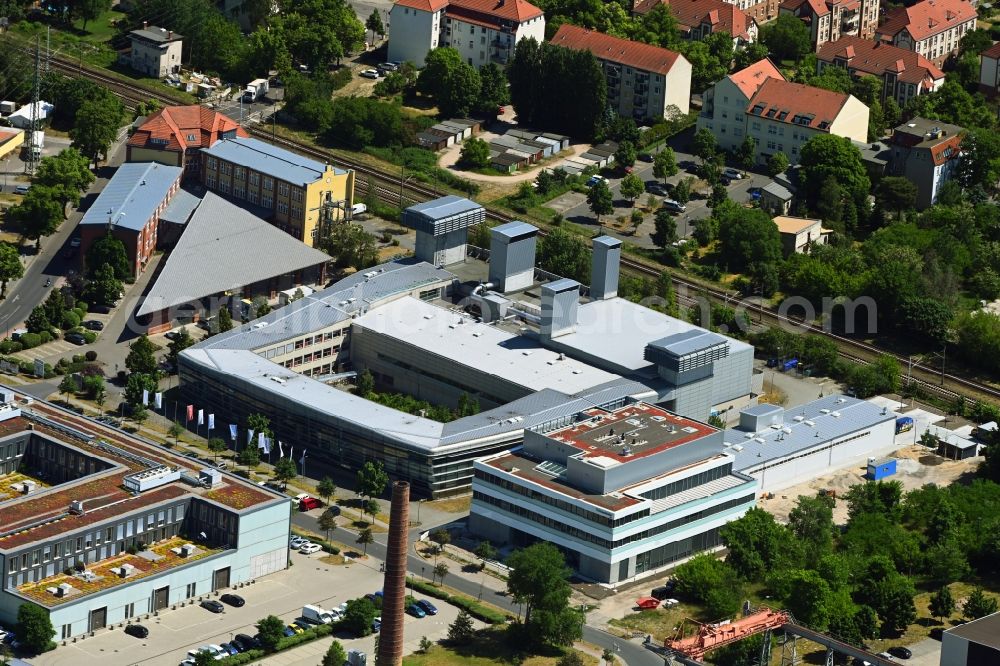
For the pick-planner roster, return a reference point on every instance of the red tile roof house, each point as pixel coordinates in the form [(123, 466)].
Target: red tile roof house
[(989, 70), (644, 81), (904, 74), (760, 11), (724, 104), (174, 136), (932, 28), (829, 20), (481, 31), (927, 153), (698, 19)]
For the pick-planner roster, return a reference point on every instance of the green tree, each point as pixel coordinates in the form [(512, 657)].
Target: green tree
[(260, 306), (365, 383), (538, 579), (182, 341), (374, 23), (485, 551), (461, 631), (703, 573), (141, 356), (350, 246), (811, 520), (626, 155), (704, 144), (34, 628), (493, 92), (359, 615), (777, 163), (757, 544), (746, 152), (664, 229), (440, 571), (475, 154), (438, 66), (564, 253), (11, 267), (942, 604), (260, 424), (570, 659), (461, 91), (67, 386), (826, 157), (787, 37), (335, 654), (327, 522), (372, 479), (139, 414), (600, 200), (111, 251), (249, 456), (88, 10), (271, 630), (441, 537), (216, 445), (39, 213), (136, 383), (326, 488), (104, 288), (68, 173), (285, 470), (896, 193), (664, 164), (809, 598), (97, 124), (978, 605), (175, 431), (225, 319), (632, 187), (364, 538), (748, 238), (682, 190)]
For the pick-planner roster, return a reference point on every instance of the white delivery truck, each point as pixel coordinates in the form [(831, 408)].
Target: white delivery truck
[(317, 615), (255, 90)]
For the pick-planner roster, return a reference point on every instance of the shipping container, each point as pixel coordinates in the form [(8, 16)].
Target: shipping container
[(880, 469)]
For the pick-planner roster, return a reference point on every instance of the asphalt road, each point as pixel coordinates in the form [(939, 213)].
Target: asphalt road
[(633, 654)]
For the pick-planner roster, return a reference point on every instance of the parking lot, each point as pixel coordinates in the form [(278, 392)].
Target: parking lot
[(307, 581)]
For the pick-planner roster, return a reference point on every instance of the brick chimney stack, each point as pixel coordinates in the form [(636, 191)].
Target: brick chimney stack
[(390, 642)]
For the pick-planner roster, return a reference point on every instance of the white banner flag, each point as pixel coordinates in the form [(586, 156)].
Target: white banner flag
[(211, 421), (201, 416), (232, 431), (302, 460), (159, 400), (281, 450), (145, 396), (267, 446), (249, 436)]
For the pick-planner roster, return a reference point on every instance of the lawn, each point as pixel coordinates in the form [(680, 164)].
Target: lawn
[(102, 28), (487, 650)]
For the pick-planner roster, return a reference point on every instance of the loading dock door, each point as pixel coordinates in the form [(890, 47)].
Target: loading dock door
[(98, 618), (221, 579), (160, 598)]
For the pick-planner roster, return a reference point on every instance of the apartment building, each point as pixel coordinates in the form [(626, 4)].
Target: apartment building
[(904, 74), (927, 153), (156, 51), (481, 31), (644, 81), (724, 105), (761, 11), (300, 196), (697, 19), (829, 20), (989, 70), (932, 28), (622, 491), (175, 135)]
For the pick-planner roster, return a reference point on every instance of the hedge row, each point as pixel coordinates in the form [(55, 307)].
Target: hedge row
[(325, 545), (286, 643), (473, 608)]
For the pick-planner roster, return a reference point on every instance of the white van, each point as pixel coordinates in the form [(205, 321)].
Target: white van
[(358, 209)]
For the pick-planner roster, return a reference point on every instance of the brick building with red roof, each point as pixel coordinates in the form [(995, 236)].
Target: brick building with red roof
[(644, 81), (932, 28), (904, 74), (761, 11), (175, 135), (698, 19), (829, 20), (482, 31)]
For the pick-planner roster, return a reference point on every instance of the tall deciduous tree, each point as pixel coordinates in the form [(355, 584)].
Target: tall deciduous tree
[(111, 251), (141, 358), (39, 213), (600, 199), (285, 470), (564, 253), (493, 92), (68, 173), (11, 267), (664, 164), (374, 23), (372, 479), (538, 579), (632, 187), (97, 124), (34, 628), (787, 37)]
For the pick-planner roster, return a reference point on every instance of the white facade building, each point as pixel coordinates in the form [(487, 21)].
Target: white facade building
[(480, 31), (932, 28), (156, 51), (724, 105)]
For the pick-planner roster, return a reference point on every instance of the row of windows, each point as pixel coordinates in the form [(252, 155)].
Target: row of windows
[(309, 358), (686, 520), (694, 481), (301, 344)]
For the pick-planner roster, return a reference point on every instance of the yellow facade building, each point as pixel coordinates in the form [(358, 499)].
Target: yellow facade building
[(10, 141), (302, 196)]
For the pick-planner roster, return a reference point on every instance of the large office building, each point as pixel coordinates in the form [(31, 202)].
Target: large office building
[(621, 490), (300, 196), (421, 331), (644, 81), (480, 30), (101, 528)]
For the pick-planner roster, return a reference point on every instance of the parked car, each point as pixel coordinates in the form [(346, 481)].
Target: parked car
[(377, 624), (137, 630), (369, 74), (213, 605), (900, 651), (646, 157), (234, 600), (76, 339), (657, 188), (93, 325), (302, 624), (230, 649), (673, 206), (22, 189), (732, 173), (100, 309), (428, 607), (629, 169), (415, 611), (595, 179), (388, 67), (246, 642), (296, 629), (310, 548), (309, 503), (288, 631)]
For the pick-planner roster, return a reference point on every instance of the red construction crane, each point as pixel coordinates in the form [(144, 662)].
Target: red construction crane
[(714, 636)]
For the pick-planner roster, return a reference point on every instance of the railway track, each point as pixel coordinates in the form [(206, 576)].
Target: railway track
[(391, 190)]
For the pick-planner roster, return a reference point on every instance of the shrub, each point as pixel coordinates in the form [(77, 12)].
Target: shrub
[(30, 340), (70, 320), (89, 336), (243, 658), (341, 78), (472, 607), (81, 305), (78, 358), (91, 356), (44, 337)]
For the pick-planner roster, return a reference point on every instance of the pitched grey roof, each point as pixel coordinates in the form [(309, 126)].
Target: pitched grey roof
[(271, 160), (155, 34), (132, 195), (179, 209), (224, 246)]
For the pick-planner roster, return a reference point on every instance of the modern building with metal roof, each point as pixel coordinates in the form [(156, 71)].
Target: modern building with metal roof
[(975, 643), (442, 227), (129, 208), (226, 253), (268, 159), (784, 447)]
